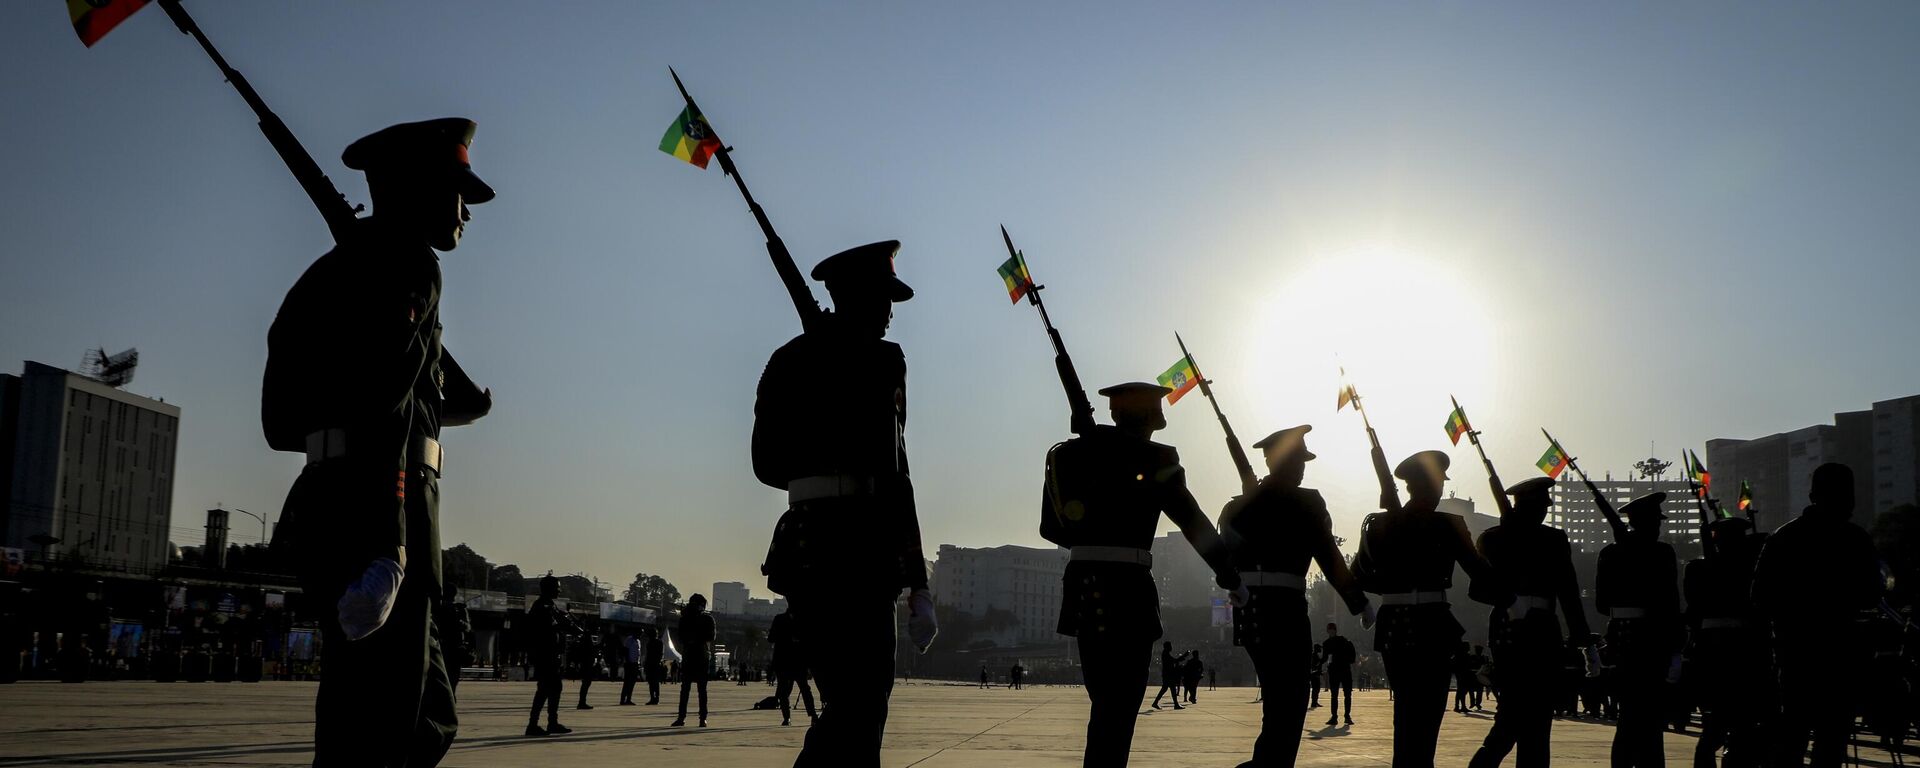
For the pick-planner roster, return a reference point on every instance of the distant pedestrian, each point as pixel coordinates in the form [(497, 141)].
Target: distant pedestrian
[(1340, 658), (1191, 676), (789, 666), (653, 665), (1016, 675), (696, 652), (631, 654), (984, 678), (1170, 666), (1319, 666)]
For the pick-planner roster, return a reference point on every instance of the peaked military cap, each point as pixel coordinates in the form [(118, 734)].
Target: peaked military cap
[(1530, 485), (1423, 464), (1287, 441), (1134, 394), (427, 146), (869, 265), (1645, 505)]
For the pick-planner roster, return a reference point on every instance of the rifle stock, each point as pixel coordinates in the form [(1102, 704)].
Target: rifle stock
[(811, 315), (325, 196)]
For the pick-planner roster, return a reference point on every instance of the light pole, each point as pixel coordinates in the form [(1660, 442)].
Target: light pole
[(263, 524)]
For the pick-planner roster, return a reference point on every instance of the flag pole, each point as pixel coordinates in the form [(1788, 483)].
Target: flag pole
[(1080, 415), (1614, 522), (1248, 480), (1493, 476), (1389, 493)]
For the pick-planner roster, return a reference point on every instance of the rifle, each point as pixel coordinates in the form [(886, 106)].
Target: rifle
[(1389, 493), (1080, 418), (811, 315), (333, 205), (1493, 477), (1599, 499), (1708, 508), (1248, 480)]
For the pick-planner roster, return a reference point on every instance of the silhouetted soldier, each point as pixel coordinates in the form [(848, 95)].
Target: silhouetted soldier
[(1104, 495), (1169, 675), (1340, 657), (545, 633), (1536, 563), (1815, 575), (654, 665), (1406, 557), (696, 654), (1637, 587), (790, 666), (830, 429), (1729, 665), (357, 380), (1274, 533), (455, 629)]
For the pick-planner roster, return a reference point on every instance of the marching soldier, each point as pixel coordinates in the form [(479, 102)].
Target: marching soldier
[(357, 380), (1815, 575), (829, 429), (1729, 646), (546, 637), (1637, 587), (1536, 563), (1103, 499), (1406, 557), (1273, 534)]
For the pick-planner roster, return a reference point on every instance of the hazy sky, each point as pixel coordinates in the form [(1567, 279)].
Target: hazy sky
[(1632, 224)]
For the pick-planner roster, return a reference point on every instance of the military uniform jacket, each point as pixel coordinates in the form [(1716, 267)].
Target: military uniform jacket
[(1109, 489), (356, 346), (1282, 529), (1533, 561), (1815, 575), (1642, 574), (835, 405), (1414, 550)]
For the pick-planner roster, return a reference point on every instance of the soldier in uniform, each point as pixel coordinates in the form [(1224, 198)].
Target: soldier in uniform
[(1637, 586), (1536, 564), (830, 430), (1274, 533), (455, 628), (1406, 557), (358, 380), (1104, 494), (1729, 658), (1815, 575), (545, 633)]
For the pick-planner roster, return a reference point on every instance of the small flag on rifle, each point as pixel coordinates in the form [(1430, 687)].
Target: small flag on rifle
[(1014, 272), (1347, 395), (690, 138), (1457, 424), (1554, 461), (1698, 471), (93, 19), (1180, 378), (1746, 496)]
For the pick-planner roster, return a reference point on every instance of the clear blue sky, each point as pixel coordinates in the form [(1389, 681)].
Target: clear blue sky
[(1633, 224)]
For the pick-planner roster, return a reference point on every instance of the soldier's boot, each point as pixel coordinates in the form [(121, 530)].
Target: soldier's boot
[(555, 729), (534, 730)]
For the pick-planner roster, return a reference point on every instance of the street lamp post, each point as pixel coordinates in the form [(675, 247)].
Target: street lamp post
[(263, 524)]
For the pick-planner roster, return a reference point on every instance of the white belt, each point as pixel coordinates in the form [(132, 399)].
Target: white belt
[(1413, 598), (1292, 581), (1524, 604), (1628, 613), (332, 444), (1723, 622), (1113, 555), (816, 487)]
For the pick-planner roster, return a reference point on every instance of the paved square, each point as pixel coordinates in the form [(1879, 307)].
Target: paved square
[(934, 725)]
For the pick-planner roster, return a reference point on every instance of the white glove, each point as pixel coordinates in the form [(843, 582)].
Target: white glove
[(1593, 662), (1239, 597), (921, 625), (366, 604), (1369, 616)]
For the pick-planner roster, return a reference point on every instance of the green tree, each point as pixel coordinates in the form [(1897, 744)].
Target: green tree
[(507, 578), (465, 567), (649, 591)]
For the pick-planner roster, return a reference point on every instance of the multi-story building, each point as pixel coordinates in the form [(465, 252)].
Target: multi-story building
[(1022, 583), (729, 597), (1575, 512), (88, 465), (1185, 580), (1881, 445)]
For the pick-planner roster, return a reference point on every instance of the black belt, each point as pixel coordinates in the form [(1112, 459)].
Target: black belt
[(333, 443)]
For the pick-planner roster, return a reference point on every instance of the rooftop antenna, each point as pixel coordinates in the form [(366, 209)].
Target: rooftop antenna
[(112, 370)]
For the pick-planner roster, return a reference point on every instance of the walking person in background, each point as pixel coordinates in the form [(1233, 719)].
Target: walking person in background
[(1169, 675), (1313, 674), (1191, 676), (696, 652), (631, 654), (1340, 657), (789, 666), (653, 665)]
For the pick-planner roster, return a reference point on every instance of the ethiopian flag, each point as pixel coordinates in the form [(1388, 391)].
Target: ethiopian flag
[(690, 138), (1746, 496), (1698, 472), (1457, 424), (1180, 378), (1554, 461), (93, 19), (1014, 271)]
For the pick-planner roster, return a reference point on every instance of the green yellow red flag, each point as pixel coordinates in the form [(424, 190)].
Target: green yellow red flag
[(1698, 471), (1014, 272), (93, 19), (690, 138), (1457, 424), (1746, 496), (1554, 461), (1180, 378)]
